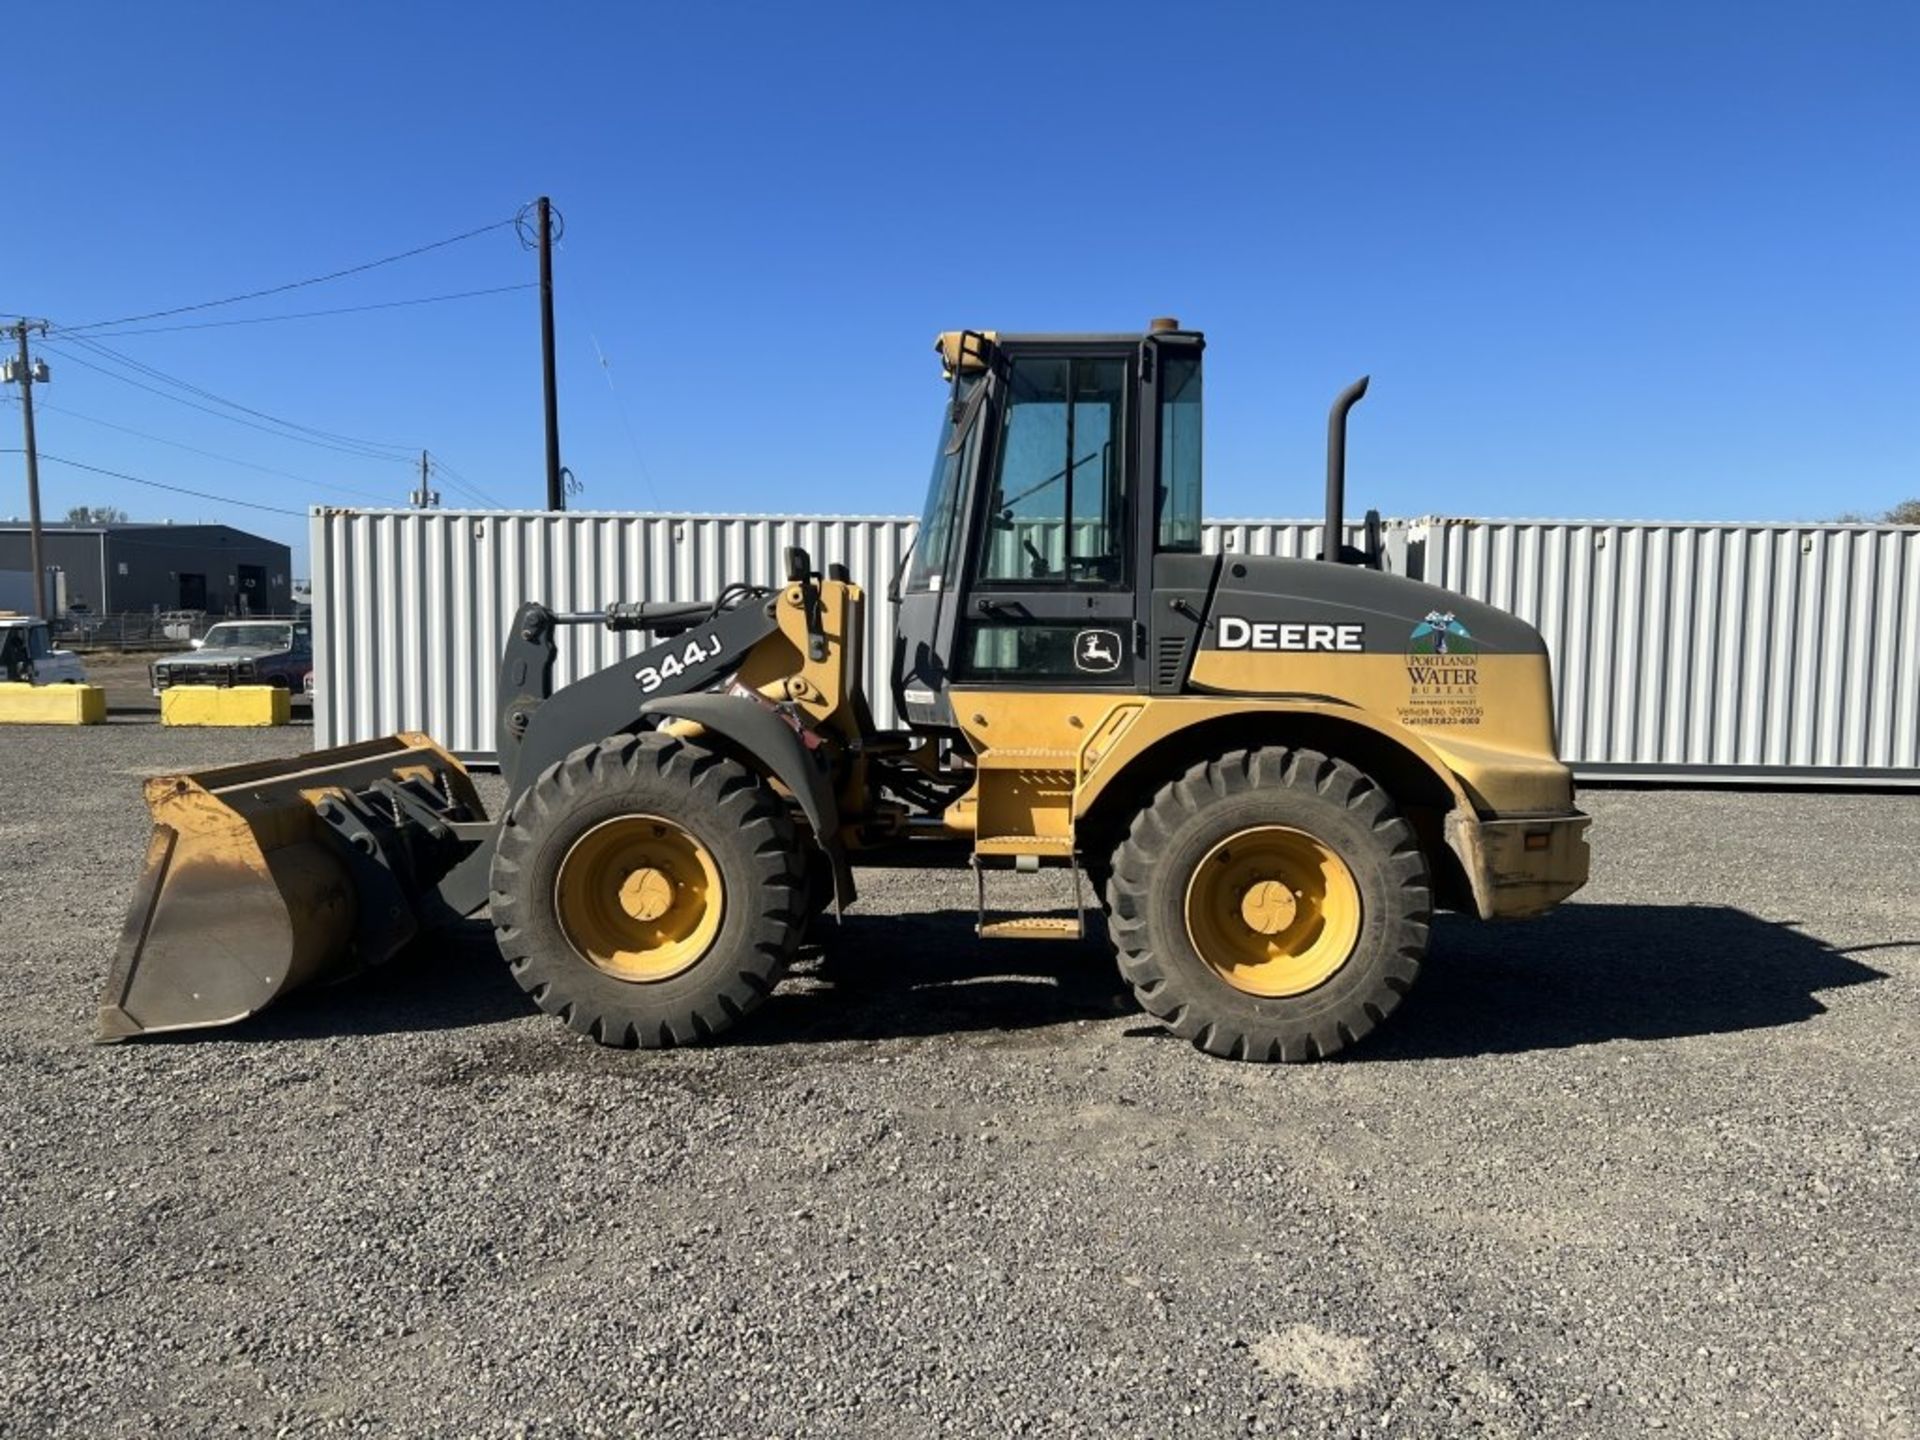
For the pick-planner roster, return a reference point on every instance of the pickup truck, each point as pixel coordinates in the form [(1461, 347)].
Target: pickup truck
[(243, 652), (27, 653)]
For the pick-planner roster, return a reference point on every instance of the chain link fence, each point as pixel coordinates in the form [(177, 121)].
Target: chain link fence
[(142, 631)]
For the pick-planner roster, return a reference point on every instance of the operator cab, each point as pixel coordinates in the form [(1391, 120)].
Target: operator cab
[(1036, 564)]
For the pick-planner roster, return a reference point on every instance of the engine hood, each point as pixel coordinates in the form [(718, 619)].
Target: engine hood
[(1470, 682), (1308, 606)]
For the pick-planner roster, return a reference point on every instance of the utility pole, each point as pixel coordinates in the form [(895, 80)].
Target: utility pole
[(426, 497), (556, 485), (25, 376)]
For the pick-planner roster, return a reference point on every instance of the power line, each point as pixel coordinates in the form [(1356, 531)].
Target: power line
[(297, 284), (212, 454), (305, 434), (620, 408), (362, 450), (159, 485), (460, 482), (301, 314), (107, 351)]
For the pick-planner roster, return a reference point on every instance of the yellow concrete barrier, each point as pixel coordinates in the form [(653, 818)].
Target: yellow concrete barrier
[(52, 704), (224, 705)]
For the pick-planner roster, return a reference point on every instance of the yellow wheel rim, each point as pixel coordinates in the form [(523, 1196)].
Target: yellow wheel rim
[(1273, 911), (639, 897)]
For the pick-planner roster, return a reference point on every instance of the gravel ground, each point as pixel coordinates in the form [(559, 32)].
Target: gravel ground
[(1647, 1164)]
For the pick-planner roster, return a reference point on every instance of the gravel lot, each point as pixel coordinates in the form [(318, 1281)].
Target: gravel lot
[(1647, 1164)]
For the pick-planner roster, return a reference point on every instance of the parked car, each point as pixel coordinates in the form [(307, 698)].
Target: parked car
[(243, 652), (27, 653)]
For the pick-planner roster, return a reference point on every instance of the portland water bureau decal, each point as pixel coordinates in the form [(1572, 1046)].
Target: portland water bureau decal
[(1443, 673)]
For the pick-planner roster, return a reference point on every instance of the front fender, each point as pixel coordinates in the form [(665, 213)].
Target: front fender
[(776, 749)]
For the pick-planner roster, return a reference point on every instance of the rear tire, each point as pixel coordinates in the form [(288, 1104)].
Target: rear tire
[(647, 891), (1302, 881)]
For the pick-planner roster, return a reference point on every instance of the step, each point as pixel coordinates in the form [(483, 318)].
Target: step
[(1023, 845), (1027, 758), (1031, 927)]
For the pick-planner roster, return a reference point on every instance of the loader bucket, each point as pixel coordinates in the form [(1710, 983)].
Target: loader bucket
[(263, 878)]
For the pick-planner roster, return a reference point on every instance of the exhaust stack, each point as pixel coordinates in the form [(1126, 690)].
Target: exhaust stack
[(1333, 543)]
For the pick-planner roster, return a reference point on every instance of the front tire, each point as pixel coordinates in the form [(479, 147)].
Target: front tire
[(1270, 905), (646, 890)]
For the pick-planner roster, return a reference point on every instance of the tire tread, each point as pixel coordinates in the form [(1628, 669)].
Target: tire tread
[(681, 779), (1176, 987)]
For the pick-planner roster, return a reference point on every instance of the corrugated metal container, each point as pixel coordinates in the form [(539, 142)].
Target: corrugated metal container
[(410, 606), (1708, 651), (1730, 651)]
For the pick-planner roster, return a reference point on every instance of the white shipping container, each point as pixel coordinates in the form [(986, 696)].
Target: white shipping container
[(1705, 652)]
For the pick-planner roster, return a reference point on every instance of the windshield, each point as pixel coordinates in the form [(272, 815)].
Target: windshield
[(950, 460), (250, 637)]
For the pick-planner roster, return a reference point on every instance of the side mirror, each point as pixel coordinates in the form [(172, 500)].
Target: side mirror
[(198, 642), (799, 565)]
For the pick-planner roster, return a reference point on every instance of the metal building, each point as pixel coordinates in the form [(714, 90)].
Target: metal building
[(119, 568), (1782, 653)]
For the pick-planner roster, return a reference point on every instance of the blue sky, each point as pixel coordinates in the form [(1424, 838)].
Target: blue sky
[(1627, 260)]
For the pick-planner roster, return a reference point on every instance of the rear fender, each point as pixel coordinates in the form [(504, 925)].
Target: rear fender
[(775, 749), (1136, 730)]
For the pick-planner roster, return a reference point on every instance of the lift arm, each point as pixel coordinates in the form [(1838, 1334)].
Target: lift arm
[(538, 727)]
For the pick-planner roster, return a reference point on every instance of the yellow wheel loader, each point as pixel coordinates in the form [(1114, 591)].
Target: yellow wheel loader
[(1267, 773)]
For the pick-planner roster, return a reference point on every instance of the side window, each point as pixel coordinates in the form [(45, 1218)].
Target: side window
[(38, 643), (1180, 455), (951, 459), (1030, 648), (1057, 513)]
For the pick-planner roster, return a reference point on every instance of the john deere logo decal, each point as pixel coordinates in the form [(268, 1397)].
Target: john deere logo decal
[(1443, 673), (1097, 651)]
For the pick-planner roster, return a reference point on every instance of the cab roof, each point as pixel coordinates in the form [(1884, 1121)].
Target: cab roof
[(968, 349)]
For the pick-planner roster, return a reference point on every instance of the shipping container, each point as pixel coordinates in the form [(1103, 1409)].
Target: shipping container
[(1709, 652)]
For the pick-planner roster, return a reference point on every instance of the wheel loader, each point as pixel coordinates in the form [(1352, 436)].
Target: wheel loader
[(1263, 775)]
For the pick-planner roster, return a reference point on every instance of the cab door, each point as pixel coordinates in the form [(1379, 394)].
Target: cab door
[(1049, 599)]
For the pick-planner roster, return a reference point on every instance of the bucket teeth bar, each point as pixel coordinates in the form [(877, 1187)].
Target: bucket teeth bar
[(262, 878)]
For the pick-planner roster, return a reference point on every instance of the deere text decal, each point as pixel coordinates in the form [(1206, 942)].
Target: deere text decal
[(1239, 634)]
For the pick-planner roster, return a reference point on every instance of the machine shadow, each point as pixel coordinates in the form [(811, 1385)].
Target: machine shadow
[(1584, 975), (893, 976), (873, 977), (449, 980)]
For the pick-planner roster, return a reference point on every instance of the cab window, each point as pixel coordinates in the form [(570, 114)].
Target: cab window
[(951, 458), (1179, 514), (1057, 510), (38, 645)]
